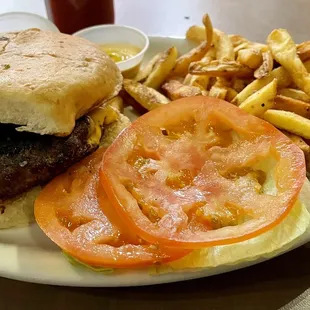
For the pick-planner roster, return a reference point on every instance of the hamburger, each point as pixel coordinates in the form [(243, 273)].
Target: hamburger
[(56, 94)]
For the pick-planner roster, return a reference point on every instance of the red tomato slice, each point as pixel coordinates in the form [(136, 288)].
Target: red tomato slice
[(201, 172), (80, 219)]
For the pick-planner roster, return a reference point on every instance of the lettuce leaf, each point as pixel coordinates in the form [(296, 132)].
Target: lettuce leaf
[(266, 245), (77, 263)]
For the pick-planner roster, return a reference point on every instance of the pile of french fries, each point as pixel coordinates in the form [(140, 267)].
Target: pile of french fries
[(270, 81)]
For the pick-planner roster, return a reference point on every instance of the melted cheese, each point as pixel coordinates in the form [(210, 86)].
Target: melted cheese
[(94, 132), (103, 115)]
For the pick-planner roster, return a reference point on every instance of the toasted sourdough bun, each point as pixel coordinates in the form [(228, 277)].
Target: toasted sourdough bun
[(48, 80), (18, 212)]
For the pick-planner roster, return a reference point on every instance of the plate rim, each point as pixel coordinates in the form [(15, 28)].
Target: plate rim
[(11, 267)]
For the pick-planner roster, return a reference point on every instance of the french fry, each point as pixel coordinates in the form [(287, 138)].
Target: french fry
[(289, 121), (266, 67), (261, 101), (197, 53), (176, 90), (283, 49), (283, 80), (292, 105), (238, 84), (145, 71), (240, 47), (220, 88), (303, 50), (196, 34), (147, 97), (250, 57), (212, 81), (262, 47), (224, 47), (209, 30), (300, 142), (162, 68), (201, 81), (220, 68), (237, 39), (218, 92), (183, 62), (231, 94), (130, 101), (223, 81), (307, 65), (250, 45), (200, 34), (294, 93), (188, 78)]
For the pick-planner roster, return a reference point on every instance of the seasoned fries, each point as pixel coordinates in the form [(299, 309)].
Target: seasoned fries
[(266, 67), (237, 40), (147, 97), (307, 65), (147, 69), (176, 90), (220, 88), (200, 81), (209, 30), (196, 34), (284, 51), (239, 84), (295, 94), (220, 68), (283, 80), (162, 68), (240, 47), (270, 81), (303, 50), (292, 105), (223, 46), (218, 92), (183, 62), (261, 101), (130, 101), (289, 121), (200, 34), (251, 57), (231, 94)]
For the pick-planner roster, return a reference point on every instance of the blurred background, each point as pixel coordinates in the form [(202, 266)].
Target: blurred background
[(253, 19)]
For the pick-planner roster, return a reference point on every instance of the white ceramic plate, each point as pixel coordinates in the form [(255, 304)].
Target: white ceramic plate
[(26, 254)]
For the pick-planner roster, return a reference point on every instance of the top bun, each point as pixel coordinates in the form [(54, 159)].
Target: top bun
[(48, 80)]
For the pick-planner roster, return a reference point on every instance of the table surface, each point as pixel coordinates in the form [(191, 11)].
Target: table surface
[(269, 285)]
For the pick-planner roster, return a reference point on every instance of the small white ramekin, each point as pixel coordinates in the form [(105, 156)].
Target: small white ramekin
[(109, 34)]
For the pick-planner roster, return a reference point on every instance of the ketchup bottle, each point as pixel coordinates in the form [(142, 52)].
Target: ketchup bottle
[(72, 15)]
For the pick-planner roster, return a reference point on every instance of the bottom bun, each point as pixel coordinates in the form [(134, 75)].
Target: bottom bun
[(112, 130), (18, 212)]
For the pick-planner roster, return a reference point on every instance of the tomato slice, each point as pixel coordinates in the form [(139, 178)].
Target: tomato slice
[(201, 172), (80, 219)]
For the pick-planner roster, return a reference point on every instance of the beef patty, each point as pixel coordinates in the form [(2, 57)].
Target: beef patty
[(28, 159)]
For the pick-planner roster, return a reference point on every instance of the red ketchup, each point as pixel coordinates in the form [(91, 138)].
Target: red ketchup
[(72, 15)]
